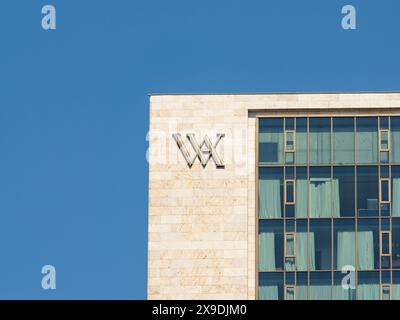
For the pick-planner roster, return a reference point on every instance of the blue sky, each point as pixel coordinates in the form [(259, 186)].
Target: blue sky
[(74, 113)]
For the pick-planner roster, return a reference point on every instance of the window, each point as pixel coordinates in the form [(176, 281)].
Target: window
[(386, 292), (290, 292), (384, 145), (290, 192), (367, 191), (271, 141), (290, 245), (320, 140), (344, 184), (343, 141), (384, 194), (329, 197), (384, 141), (367, 140), (386, 243)]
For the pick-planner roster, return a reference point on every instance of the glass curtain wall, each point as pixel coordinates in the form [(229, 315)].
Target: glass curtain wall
[(329, 208)]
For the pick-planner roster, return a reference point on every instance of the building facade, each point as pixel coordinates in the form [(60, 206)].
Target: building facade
[(274, 196)]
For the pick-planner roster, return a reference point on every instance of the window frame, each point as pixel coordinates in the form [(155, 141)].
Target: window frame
[(380, 140), (285, 141), (294, 291), (294, 245), (293, 181), (380, 243), (383, 285), (389, 191)]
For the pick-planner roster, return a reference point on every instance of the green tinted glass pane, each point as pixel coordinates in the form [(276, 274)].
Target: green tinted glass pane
[(290, 293), (289, 157), (271, 141), (301, 140), (320, 140), (367, 140), (384, 140), (384, 157), (290, 245), (343, 140), (289, 141), (386, 293)]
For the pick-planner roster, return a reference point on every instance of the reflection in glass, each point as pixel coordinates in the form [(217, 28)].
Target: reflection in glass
[(320, 140), (343, 140), (367, 191), (367, 140), (271, 141)]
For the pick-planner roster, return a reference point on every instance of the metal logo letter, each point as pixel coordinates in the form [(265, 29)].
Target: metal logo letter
[(204, 155)]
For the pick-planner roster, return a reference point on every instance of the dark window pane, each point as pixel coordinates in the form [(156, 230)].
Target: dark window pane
[(367, 140), (320, 140), (384, 122), (385, 243), (289, 191), (343, 140), (368, 286), (367, 191), (289, 123), (271, 141), (302, 286), (320, 244), (384, 190), (320, 286), (368, 244), (344, 286), (271, 286), (344, 178)]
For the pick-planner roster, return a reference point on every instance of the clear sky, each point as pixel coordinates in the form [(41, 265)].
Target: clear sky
[(74, 113)]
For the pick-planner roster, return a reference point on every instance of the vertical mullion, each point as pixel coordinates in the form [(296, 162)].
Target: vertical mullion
[(332, 280), (308, 201), (380, 202), (284, 205), (356, 199), (390, 208)]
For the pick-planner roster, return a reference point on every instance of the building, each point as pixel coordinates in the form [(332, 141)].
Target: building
[(273, 196)]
